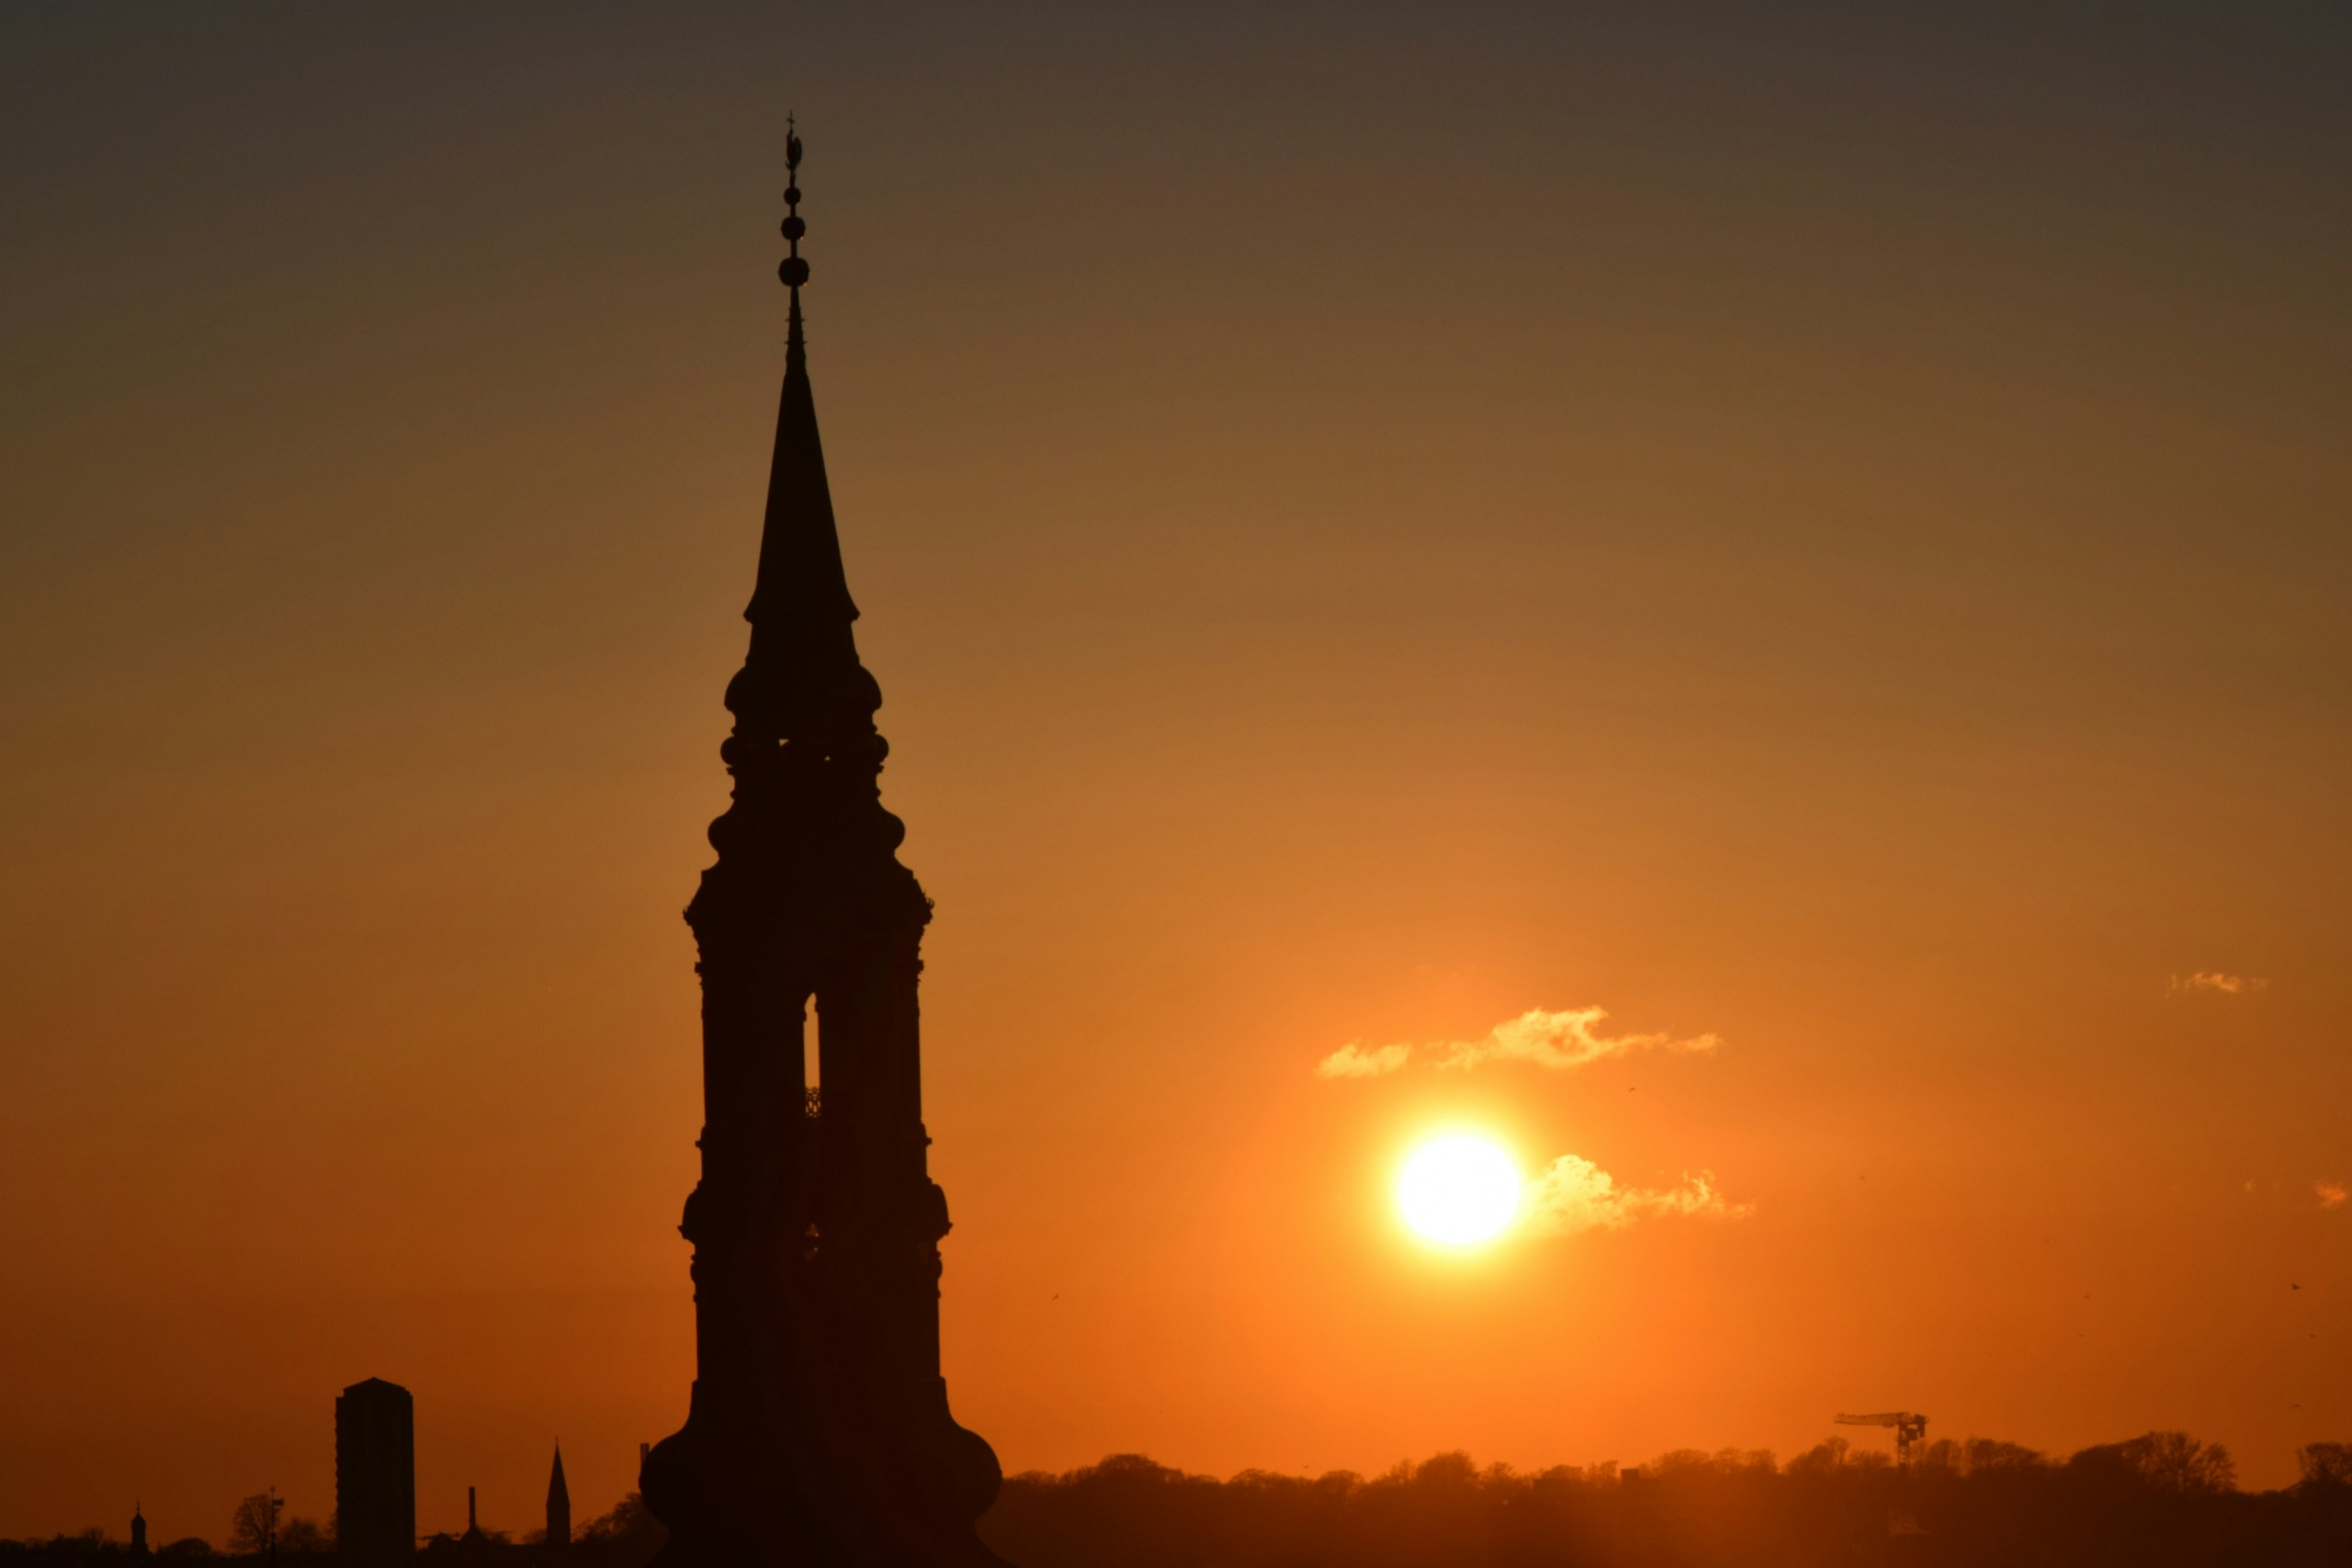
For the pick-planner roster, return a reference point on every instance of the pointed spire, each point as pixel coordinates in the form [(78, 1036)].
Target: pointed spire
[(804, 755), (800, 576)]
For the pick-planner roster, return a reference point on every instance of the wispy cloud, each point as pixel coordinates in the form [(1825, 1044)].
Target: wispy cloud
[(1557, 1040), (1357, 1060), (1573, 1194), (2214, 983), (2332, 1194)]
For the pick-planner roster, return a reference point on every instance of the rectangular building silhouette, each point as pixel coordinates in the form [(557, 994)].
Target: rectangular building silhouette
[(375, 1475)]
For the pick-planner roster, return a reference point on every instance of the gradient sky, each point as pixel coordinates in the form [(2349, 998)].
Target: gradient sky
[(1830, 531)]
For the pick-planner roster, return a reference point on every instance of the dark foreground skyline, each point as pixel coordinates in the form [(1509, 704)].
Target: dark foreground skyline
[(2161, 1500), (1743, 603)]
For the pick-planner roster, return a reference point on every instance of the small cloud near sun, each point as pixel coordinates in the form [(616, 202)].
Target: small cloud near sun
[(1574, 1194), (2332, 1194), (1355, 1060), (2212, 982), (1554, 1040)]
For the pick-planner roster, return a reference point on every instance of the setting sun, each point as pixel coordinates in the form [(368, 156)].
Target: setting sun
[(1459, 1190)]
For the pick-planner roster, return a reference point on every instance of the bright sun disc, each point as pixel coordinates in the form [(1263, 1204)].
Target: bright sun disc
[(1459, 1190)]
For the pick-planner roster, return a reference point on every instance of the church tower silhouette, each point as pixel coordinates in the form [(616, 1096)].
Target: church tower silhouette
[(819, 1431)]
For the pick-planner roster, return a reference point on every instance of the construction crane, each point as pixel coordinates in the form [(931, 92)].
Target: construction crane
[(1909, 1428)]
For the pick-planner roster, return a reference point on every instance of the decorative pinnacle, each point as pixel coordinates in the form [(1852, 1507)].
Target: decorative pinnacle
[(795, 271)]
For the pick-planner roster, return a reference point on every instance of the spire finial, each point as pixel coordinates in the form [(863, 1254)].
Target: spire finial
[(795, 271)]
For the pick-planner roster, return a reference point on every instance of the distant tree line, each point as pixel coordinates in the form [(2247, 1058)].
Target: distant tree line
[(2156, 1501), (2162, 1500)]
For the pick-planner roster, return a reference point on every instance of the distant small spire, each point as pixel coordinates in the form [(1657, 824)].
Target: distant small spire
[(559, 1532)]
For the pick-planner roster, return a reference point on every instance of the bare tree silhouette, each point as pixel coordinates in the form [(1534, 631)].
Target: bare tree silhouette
[(255, 1523)]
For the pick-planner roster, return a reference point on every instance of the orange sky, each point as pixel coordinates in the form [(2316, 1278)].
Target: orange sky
[(1831, 537)]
